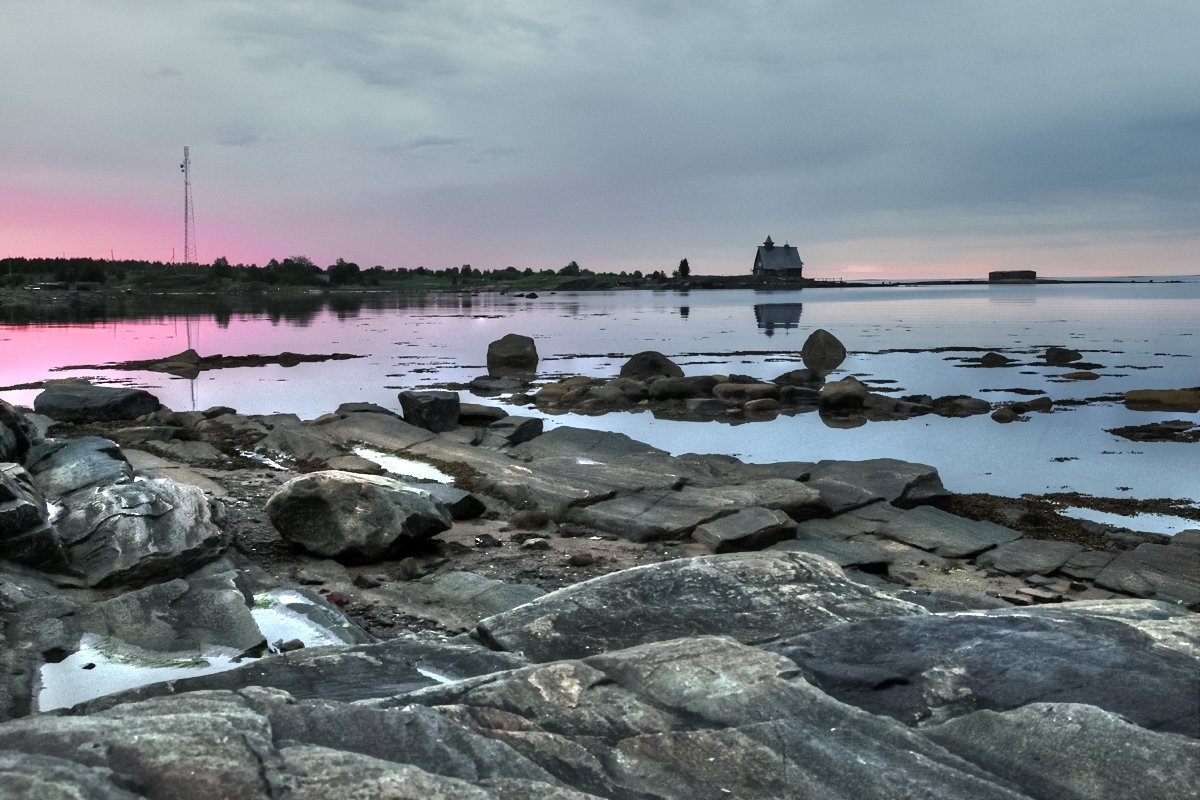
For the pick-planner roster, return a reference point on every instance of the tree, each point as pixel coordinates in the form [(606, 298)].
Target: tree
[(221, 268), (684, 269), (569, 269)]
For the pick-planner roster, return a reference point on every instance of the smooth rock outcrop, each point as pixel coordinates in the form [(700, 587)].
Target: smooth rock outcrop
[(901, 483), (932, 668), (1029, 556), (753, 597), (1070, 751), (1156, 571), (843, 396), (77, 400), (17, 435), (945, 534), (355, 517)]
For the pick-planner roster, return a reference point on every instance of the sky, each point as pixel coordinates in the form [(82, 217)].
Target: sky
[(884, 140)]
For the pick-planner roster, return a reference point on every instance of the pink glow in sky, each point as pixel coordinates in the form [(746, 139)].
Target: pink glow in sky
[(888, 142)]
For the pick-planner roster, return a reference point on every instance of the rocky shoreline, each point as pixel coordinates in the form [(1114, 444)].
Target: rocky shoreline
[(574, 614)]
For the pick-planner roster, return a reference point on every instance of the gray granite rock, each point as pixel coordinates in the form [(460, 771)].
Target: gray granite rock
[(138, 532), (1029, 556), (460, 503), (1087, 564), (17, 434), (354, 517), (570, 442), (931, 668), (751, 528), (1157, 571), (822, 352), (754, 597), (866, 519), (648, 365), (866, 554), (945, 534), (512, 355), (62, 466), (1068, 751), (900, 482)]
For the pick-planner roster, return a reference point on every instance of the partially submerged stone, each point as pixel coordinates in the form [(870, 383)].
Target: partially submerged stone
[(77, 400), (822, 352), (512, 355), (433, 410), (648, 365)]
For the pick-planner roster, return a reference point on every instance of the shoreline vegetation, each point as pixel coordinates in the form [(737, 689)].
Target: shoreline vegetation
[(43, 278)]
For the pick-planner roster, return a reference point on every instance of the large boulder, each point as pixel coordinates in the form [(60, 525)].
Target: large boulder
[(512, 355), (77, 400), (822, 352), (936, 667), (753, 597), (902, 483), (433, 410), (354, 517), (845, 395), (137, 532), (650, 364)]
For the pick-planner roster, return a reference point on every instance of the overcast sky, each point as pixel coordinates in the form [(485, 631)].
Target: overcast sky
[(884, 139)]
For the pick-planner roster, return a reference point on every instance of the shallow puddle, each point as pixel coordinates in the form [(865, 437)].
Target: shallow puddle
[(404, 467), (1150, 523)]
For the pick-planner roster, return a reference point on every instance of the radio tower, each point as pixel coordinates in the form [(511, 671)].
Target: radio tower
[(189, 220)]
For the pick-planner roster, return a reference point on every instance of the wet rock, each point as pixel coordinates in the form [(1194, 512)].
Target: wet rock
[(1081, 375), (77, 400), (1029, 556), (933, 668), (959, 406), (901, 483), (381, 431), (133, 533), (805, 378), (25, 536), (1005, 414), (512, 355), (1156, 571), (1164, 400), (1174, 430), (945, 534), (572, 442), (432, 410), (487, 385), (762, 407), (994, 360), (354, 517), (822, 352), (62, 466), (648, 365), (749, 529), (681, 388), (848, 394), (1069, 751), (1061, 356), (1034, 404), (752, 597), (514, 430), (742, 392), (705, 406)]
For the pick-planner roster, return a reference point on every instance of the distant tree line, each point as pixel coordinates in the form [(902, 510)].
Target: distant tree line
[(299, 270)]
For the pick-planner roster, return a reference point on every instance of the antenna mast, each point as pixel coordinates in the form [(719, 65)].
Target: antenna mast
[(189, 220)]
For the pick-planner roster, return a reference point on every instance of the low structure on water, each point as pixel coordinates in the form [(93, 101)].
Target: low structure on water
[(1012, 276), (772, 259)]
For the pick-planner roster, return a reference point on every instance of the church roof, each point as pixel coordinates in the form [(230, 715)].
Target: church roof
[(772, 256)]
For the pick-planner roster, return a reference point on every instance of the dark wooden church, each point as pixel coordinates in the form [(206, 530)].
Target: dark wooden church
[(772, 259)]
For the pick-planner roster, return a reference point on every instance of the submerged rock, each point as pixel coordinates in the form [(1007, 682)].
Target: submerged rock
[(512, 355), (648, 365)]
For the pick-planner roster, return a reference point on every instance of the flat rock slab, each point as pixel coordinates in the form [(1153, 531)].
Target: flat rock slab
[(749, 529), (583, 443), (672, 513), (1157, 571), (383, 431), (459, 599), (1069, 751), (937, 667), (867, 519), (841, 496), (862, 553), (1029, 556), (1087, 564), (900, 482), (753, 597), (945, 534)]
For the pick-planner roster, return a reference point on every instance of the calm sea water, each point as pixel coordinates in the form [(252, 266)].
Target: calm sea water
[(1145, 335)]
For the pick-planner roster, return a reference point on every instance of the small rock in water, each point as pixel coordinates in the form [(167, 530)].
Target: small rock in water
[(822, 352)]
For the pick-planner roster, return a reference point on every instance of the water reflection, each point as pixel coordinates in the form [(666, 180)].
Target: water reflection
[(777, 315), (684, 311)]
